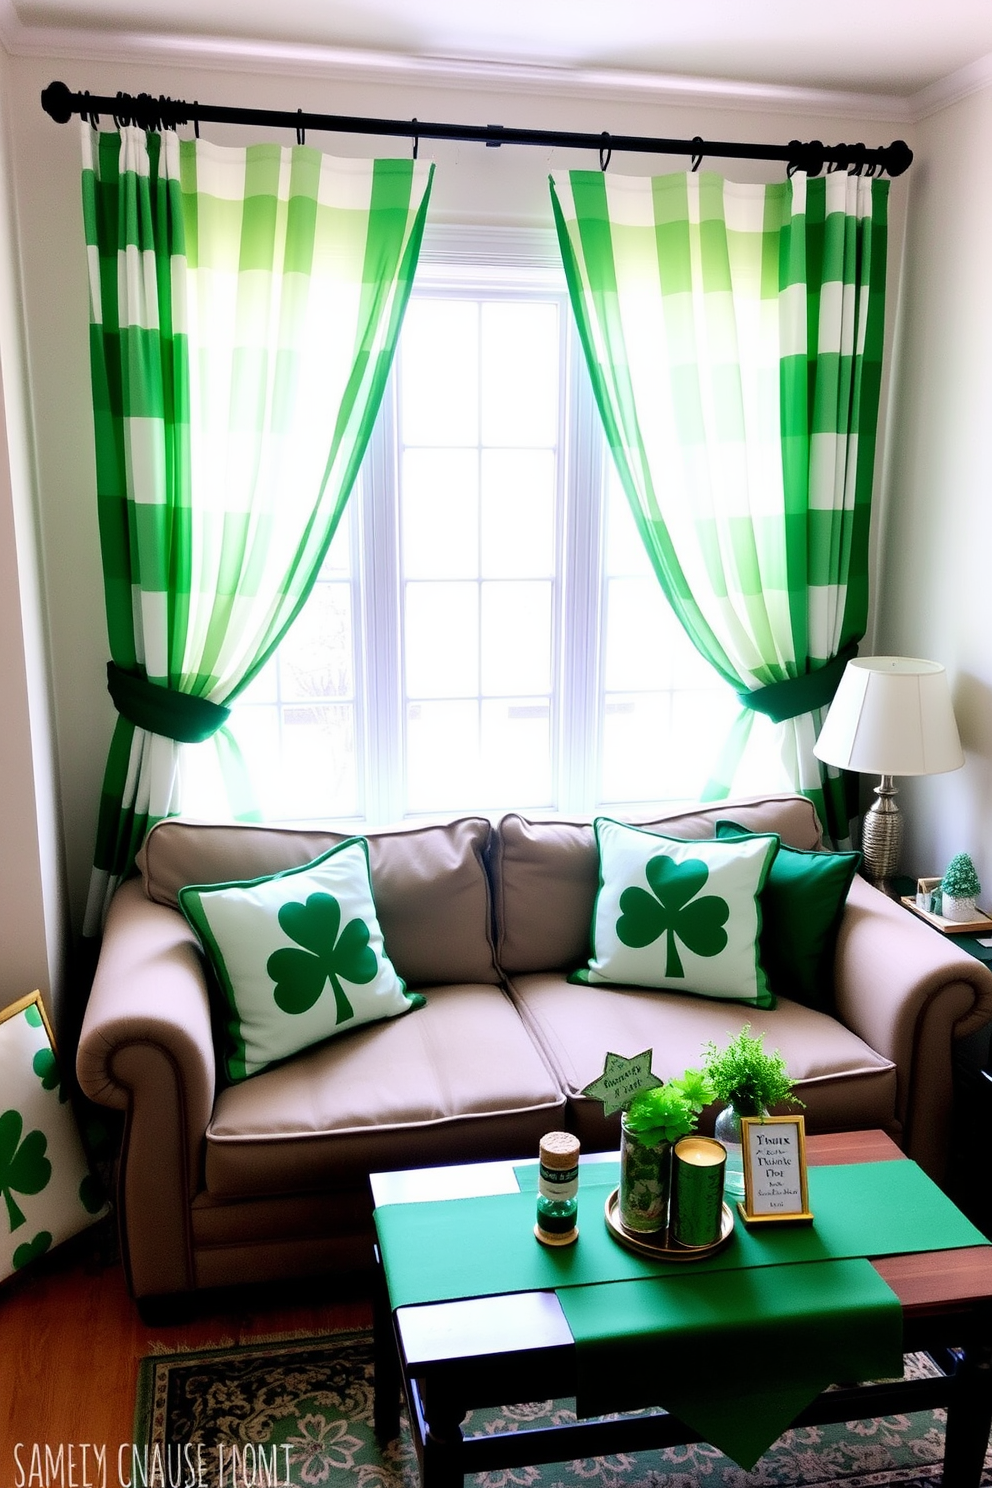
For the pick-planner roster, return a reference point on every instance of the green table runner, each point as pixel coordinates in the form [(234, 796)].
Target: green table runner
[(767, 1322), (453, 1248), (766, 1341)]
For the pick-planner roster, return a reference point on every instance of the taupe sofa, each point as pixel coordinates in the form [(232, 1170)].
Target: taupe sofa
[(267, 1179)]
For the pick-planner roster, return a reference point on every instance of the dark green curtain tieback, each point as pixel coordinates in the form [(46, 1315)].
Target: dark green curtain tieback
[(797, 695), (162, 710)]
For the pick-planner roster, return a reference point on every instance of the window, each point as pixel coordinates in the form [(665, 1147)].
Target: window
[(486, 631)]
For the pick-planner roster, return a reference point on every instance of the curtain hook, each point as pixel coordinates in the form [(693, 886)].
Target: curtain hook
[(699, 146), (196, 118), (416, 139), (301, 134), (605, 151)]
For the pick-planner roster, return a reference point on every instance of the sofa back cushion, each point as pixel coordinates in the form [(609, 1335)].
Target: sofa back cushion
[(545, 873), (429, 883)]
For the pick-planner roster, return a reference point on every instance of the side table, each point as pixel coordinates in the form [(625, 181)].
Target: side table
[(972, 1098)]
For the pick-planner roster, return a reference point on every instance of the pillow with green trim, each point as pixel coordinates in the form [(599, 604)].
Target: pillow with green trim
[(298, 955), (802, 905), (679, 914)]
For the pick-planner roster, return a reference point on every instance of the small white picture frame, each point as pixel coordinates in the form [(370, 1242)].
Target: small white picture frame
[(775, 1182)]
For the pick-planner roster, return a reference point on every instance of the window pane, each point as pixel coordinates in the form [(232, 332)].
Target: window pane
[(265, 687), (442, 640), (440, 514), (519, 373), (315, 659), (639, 625), (301, 759), (516, 638), (516, 752), (439, 372), (518, 513), (442, 756)]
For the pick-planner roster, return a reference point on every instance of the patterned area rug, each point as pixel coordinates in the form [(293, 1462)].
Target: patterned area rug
[(298, 1414)]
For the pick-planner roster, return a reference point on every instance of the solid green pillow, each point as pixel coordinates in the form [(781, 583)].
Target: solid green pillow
[(299, 956), (802, 906), (680, 915)]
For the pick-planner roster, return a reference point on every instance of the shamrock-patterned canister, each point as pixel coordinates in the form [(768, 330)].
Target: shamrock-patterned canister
[(645, 1179), (558, 1189)]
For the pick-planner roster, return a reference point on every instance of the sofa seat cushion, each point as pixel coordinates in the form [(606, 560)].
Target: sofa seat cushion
[(460, 1080), (843, 1082)]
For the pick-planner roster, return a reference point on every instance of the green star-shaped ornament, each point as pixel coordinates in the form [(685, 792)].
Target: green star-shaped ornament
[(621, 1080)]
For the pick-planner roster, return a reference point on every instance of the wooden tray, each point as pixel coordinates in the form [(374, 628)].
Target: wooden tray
[(658, 1246), (982, 925)]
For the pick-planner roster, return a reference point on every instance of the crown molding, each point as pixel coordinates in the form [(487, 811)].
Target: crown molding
[(951, 89), (289, 59)]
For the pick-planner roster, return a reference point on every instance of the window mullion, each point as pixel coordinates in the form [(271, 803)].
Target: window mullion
[(380, 601), (580, 724)]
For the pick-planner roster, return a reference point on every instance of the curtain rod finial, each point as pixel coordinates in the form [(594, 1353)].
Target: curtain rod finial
[(56, 100), (898, 158)]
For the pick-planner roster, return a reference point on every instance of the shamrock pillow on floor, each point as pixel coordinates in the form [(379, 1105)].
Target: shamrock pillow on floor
[(680, 915), (49, 1193), (299, 956)]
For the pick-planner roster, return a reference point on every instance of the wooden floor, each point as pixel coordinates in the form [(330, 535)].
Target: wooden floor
[(71, 1340)]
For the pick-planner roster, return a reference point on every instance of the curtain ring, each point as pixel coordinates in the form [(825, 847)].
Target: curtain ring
[(196, 118), (697, 154), (416, 139), (605, 151), (301, 134)]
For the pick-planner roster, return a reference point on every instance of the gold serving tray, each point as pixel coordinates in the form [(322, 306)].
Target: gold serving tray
[(658, 1246)]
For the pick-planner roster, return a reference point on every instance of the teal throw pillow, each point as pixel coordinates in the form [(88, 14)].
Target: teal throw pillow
[(681, 915), (802, 906), (298, 955)]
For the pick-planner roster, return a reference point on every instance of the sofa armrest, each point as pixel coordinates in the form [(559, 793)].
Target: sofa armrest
[(909, 993), (146, 1048)]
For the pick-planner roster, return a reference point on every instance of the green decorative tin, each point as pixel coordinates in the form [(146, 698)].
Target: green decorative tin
[(698, 1165)]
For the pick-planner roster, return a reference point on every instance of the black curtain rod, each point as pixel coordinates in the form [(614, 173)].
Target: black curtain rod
[(168, 113)]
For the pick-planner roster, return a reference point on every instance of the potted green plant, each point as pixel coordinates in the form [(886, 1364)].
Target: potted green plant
[(653, 1121), (750, 1082), (959, 889)]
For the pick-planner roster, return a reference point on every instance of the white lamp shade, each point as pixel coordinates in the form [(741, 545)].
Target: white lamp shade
[(891, 715)]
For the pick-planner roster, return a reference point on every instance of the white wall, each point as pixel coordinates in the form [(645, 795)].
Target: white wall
[(31, 879), (473, 184), (935, 594)]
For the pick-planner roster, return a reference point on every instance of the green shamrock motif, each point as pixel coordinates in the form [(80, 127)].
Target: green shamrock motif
[(46, 1067), (31, 1249), (24, 1168), (300, 976), (699, 925)]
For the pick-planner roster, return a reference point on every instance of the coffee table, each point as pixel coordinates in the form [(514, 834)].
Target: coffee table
[(452, 1357)]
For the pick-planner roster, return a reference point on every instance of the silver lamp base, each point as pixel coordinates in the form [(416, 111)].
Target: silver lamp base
[(881, 836)]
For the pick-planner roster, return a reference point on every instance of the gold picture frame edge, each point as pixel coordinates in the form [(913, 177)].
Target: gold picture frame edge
[(22, 1004), (801, 1216)]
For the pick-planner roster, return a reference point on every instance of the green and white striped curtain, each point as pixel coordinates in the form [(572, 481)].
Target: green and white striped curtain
[(244, 305), (734, 337)]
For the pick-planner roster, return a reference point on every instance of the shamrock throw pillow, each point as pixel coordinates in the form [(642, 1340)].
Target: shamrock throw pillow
[(677, 914), (298, 956), (802, 905)]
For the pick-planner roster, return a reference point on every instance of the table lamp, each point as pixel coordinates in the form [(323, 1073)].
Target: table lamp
[(891, 715)]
